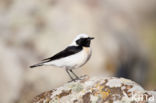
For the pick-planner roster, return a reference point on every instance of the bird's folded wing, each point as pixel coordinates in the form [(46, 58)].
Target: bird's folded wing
[(71, 50)]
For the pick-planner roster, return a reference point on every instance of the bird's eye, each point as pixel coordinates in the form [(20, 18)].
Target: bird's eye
[(78, 42)]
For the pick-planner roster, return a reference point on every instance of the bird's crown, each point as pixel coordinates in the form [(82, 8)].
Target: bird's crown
[(81, 36), (78, 37)]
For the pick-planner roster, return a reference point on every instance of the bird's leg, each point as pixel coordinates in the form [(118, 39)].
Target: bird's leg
[(74, 74), (67, 70)]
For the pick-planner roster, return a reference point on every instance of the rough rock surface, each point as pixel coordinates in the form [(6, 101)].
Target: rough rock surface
[(98, 90)]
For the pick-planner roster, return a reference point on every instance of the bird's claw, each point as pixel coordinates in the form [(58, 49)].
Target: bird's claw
[(74, 80)]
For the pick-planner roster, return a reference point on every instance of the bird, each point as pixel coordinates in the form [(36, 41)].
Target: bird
[(72, 57)]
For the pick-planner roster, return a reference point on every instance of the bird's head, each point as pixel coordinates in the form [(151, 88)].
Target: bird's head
[(82, 40)]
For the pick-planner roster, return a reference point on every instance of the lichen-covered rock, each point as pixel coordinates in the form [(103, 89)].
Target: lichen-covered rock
[(98, 90)]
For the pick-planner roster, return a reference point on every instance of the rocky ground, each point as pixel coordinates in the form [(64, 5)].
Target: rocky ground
[(98, 90)]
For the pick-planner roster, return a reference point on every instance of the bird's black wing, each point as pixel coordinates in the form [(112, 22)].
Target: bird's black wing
[(66, 52)]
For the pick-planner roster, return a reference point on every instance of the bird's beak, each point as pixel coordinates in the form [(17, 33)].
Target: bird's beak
[(91, 38)]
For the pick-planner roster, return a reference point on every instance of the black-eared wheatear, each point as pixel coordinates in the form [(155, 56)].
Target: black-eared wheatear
[(73, 56)]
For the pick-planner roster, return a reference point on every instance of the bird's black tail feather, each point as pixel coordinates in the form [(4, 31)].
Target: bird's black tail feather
[(36, 65)]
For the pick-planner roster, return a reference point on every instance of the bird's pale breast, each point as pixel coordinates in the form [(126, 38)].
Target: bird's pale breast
[(87, 50), (74, 61)]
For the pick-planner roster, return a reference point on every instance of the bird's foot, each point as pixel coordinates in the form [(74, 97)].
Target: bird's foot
[(79, 78), (74, 80)]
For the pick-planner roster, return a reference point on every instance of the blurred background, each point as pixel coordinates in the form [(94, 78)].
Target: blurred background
[(31, 30)]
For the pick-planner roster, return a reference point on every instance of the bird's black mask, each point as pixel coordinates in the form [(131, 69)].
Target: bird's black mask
[(84, 42)]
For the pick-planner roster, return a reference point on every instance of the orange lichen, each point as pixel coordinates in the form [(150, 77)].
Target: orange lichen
[(100, 90)]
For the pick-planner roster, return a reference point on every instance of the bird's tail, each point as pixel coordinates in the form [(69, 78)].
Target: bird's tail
[(36, 65)]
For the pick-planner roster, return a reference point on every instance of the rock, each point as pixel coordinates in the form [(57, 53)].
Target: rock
[(98, 90)]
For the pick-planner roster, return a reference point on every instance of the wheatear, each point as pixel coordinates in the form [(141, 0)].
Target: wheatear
[(72, 57)]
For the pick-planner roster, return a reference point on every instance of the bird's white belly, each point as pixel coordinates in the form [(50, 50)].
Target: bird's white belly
[(73, 61)]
